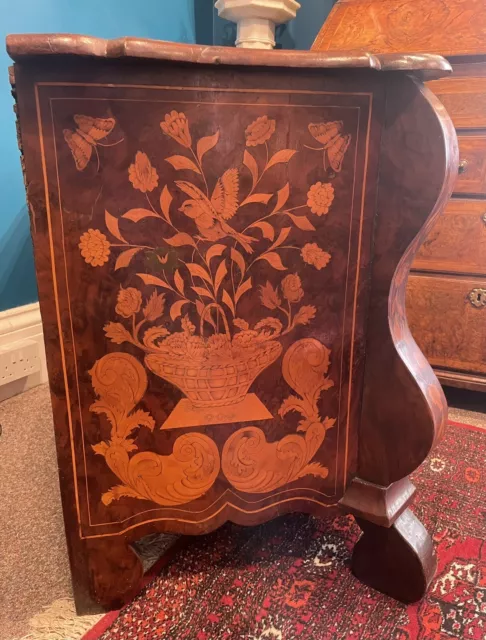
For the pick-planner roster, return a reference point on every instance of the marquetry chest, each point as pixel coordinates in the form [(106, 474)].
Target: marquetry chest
[(222, 243), (446, 298)]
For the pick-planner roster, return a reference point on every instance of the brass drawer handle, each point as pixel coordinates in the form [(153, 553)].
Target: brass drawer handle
[(477, 297), (462, 167)]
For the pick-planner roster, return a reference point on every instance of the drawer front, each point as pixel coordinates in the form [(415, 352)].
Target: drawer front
[(472, 168), (457, 242), (464, 99), (447, 317)]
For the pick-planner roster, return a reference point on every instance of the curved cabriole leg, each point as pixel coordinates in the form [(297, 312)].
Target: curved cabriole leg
[(398, 561), (115, 571)]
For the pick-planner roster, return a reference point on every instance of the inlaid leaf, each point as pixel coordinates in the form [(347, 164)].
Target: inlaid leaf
[(179, 282), (241, 324), (228, 302), (154, 307), (239, 260), (206, 144), (158, 282), (221, 272), (176, 309), (266, 228), (197, 270), (139, 214), (213, 251), (269, 296), (282, 197), (125, 258), (165, 201), (302, 222), (304, 315), (274, 260), (284, 155), (117, 333), (250, 163), (203, 292), (182, 163), (153, 334), (112, 226), (243, 288), (257, 197), (180, 240), (282, 236)]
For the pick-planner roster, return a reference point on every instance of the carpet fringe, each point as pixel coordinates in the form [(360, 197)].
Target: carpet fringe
[(59, 621)]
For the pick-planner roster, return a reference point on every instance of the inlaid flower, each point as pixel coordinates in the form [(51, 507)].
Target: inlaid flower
[(314, 255), (292, 288), (196, 348), (95, 248), (176, 343), (142, 174), (176, 126), (320, 197), (128, 302), (259, 131)]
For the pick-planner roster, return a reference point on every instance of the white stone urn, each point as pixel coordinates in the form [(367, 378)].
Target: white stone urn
[(256, 19)]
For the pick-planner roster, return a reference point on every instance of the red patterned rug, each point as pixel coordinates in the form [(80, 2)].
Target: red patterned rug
[(290, 579)]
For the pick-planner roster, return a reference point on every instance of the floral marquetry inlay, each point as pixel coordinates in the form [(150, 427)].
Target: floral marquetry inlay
[(194, 329)]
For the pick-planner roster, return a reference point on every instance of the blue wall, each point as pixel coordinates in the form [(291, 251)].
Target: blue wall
[(163, 19), (178, 20)]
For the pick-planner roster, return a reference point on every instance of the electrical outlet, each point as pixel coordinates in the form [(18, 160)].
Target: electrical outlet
[(19, 360)]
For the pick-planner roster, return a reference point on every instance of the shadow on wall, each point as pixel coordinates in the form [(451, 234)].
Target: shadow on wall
[(17, 277)]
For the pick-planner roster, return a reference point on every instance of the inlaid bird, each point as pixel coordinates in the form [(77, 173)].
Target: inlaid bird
[(210, 215)]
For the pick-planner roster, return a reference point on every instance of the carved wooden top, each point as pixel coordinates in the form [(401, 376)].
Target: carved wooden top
[(447, 27), (32, 45)]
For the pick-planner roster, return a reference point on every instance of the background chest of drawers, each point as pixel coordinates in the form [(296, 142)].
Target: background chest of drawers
[(446, 297)]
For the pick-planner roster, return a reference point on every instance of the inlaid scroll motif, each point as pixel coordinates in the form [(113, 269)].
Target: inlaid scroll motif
[(253, 465), (187, 473), (206, 347)]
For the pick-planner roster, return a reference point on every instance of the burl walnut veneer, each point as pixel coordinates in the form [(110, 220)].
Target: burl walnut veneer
[(223, 239), (446, 298)]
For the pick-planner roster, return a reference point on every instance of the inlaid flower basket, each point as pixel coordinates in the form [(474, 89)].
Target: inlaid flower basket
[(215, 371)]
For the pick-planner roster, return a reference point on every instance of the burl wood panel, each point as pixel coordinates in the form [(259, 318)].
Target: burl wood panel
[(461, 341), (472, 159), (445, 27), (457, 241), (464, 98), (215, 305), (197, 236)]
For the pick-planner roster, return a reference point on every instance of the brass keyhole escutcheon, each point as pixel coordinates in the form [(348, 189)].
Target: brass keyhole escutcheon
[(477, 297), (462, 167), (483, 218)]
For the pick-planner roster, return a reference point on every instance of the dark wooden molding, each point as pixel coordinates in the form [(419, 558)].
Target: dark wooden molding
[(380, 505), (36, 45)]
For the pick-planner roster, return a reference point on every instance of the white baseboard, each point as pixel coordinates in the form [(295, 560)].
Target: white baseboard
[(18, 327)]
